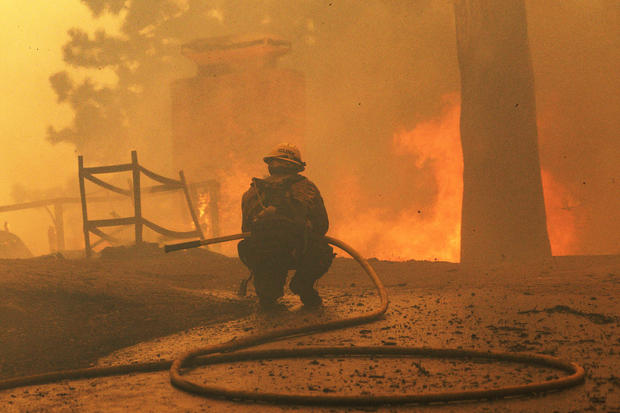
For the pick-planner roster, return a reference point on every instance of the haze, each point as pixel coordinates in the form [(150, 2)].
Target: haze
[(381, 138)]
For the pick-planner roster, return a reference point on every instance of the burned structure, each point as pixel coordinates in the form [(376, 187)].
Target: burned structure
[(238, 104)]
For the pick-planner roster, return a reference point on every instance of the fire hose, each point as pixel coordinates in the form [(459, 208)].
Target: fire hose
[(228, 352)]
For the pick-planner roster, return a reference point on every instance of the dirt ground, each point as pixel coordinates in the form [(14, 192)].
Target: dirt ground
[(58, 313)]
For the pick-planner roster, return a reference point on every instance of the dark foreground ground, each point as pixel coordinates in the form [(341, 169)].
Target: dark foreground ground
[(58, 313)]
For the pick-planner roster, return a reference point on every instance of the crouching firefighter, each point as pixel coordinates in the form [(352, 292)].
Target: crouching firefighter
[(286, 216)]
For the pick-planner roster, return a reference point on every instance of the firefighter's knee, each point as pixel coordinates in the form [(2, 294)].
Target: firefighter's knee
[(318, 258)]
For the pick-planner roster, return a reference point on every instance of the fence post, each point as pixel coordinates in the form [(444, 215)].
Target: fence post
[(190, 205), (87, 249), (59, 223), (137, 204)]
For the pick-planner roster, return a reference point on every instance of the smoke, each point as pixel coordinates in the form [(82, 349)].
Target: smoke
[(575, 50), (374, 71)]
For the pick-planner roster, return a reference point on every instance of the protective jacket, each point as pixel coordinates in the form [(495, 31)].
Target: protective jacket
[(302, 191)]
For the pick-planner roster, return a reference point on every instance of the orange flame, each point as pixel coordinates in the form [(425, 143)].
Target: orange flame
[(412, 232), (562, 207), (435, 234), (561, 218), (203, 217)]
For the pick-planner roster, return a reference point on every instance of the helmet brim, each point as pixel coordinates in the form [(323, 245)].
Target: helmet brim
[(268, 159)]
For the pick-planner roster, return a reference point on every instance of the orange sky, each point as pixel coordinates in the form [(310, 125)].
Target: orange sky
[(32, 33)]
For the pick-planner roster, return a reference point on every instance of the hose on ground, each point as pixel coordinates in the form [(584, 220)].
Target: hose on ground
[(228, 352)]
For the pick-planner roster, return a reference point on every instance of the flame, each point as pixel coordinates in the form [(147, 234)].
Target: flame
[(435, 234), (412, 232), (562, 207), (202, 205), (561, 216)]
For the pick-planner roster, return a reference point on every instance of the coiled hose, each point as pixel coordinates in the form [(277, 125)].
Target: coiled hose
[(228, 352)]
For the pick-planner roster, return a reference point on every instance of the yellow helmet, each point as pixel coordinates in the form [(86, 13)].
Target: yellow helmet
[(286, 152)]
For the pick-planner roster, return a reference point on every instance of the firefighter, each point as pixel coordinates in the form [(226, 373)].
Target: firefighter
[(287, 218)]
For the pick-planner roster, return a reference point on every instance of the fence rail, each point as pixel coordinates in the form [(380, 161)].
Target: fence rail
[(108, 169)]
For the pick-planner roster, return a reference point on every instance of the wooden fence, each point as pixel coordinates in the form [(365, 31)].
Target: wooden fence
[(57, 216), (135, 193), (57, 207)]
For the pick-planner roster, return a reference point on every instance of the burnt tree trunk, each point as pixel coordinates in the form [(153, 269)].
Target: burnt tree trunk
[(503, 216)]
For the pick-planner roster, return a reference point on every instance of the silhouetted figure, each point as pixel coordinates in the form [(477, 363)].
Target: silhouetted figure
[(287, 218)]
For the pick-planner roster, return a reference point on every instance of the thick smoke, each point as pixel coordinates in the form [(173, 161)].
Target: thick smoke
[(575, 50), (374, 70)]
